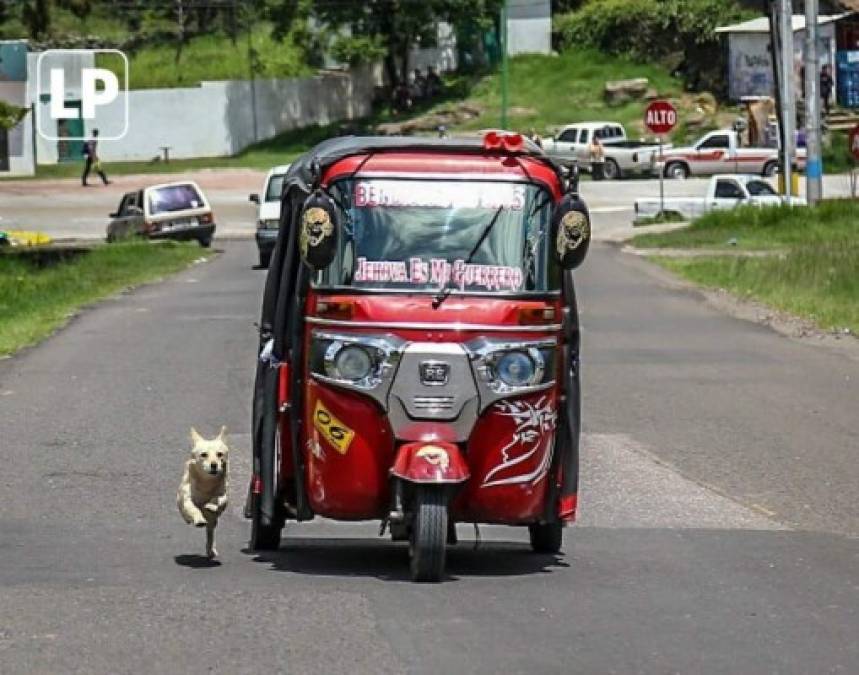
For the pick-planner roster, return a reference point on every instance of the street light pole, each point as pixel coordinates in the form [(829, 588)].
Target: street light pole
[(504, 65), (813, 144), (252, 72)]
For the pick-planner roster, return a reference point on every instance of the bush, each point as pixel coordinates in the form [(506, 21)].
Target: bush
[(357, 49), (677, 32)]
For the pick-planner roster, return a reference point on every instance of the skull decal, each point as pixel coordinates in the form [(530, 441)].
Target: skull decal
[(316, 226), (573, 230), (318, 230)]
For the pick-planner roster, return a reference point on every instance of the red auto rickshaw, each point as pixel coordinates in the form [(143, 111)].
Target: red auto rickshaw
[(419, 343)]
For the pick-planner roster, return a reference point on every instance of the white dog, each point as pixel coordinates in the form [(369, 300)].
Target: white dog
[(202, 495)]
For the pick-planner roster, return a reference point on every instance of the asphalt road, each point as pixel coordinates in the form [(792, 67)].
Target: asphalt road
[(718, 507), (64, 209)]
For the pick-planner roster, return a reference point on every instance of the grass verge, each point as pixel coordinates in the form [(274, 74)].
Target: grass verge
[(211, 57), (35, 301), (550, 91), (754, 228), (816, 277)]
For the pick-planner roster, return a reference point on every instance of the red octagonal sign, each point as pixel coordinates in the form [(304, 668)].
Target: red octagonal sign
[(660, 117)]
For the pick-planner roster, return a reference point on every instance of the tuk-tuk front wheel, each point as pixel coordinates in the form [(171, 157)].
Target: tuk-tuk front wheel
[(263, 537), (546, 537), (428, 541)]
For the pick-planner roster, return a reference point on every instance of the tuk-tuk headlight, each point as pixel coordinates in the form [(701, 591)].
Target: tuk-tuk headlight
[(353, 363), (516, 369), (509, 367), (364, 363)]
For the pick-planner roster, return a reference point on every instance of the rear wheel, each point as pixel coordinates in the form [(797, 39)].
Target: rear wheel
[(429, 535), (267, 537), (205, 242), (610, 170), (264, 258), (677, 170), (770, 169), (546, 537)]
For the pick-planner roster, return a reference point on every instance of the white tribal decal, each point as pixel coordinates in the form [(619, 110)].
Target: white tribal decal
[(533, 423)]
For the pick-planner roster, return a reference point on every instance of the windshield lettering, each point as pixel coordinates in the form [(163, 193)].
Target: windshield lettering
[(437, 195), (441, 273)]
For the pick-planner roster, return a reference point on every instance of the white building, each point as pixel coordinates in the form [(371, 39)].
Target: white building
[(750, 67), (529, 27)]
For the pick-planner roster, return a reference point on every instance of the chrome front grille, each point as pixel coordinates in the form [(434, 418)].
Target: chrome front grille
[(432, 402)]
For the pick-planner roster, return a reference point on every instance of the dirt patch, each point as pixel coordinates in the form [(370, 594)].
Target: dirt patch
[(447, 116)]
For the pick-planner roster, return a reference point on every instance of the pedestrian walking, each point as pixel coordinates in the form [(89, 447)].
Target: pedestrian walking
[(597, 157), (826, 86), (92, 162)]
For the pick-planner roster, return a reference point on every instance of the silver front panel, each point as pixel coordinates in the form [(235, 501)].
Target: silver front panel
[(412, 398)]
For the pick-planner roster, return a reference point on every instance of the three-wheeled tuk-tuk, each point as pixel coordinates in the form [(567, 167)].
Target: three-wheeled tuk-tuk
[(419, 343)]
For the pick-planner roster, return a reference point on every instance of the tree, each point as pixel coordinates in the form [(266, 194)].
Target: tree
[(36, 16), (394, 26), (10, 115), (80, 8)]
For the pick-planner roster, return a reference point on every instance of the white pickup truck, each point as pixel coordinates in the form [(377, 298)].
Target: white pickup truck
[(723, 192), (721, 152), (621, 156)]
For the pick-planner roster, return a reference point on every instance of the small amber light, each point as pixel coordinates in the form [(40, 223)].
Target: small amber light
[(536, 315), (335, 310)]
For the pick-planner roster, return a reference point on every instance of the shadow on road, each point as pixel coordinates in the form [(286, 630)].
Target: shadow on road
[(390, 561), (195, 561)]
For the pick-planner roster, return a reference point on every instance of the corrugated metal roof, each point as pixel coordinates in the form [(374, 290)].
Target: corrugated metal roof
[(762, 24)]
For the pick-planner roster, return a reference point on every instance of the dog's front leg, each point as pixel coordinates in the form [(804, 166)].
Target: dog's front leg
[(211, 551), (191, 513), (217, 505)]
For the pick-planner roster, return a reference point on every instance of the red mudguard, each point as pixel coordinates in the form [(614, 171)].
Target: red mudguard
[(435, 462)]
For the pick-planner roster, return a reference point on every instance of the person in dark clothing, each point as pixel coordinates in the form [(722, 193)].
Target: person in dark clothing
[(92, 160), (402, 98), (825, 86), (434, 84), (419, 86)]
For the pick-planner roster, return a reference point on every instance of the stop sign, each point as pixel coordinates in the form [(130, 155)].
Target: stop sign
[(660, 117), (853, 140)]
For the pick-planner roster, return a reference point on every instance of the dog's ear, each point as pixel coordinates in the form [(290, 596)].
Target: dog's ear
[(222, 433), (195, 437)]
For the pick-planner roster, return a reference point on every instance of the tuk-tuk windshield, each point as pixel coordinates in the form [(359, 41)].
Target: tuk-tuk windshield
[(418, 235)]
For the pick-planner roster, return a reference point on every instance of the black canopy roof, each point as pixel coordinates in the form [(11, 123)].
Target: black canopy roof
[(301, 172)]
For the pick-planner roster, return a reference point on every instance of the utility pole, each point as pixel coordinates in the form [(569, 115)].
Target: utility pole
[(788, 112), (252, 57), (813, 143), (504, 65)]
